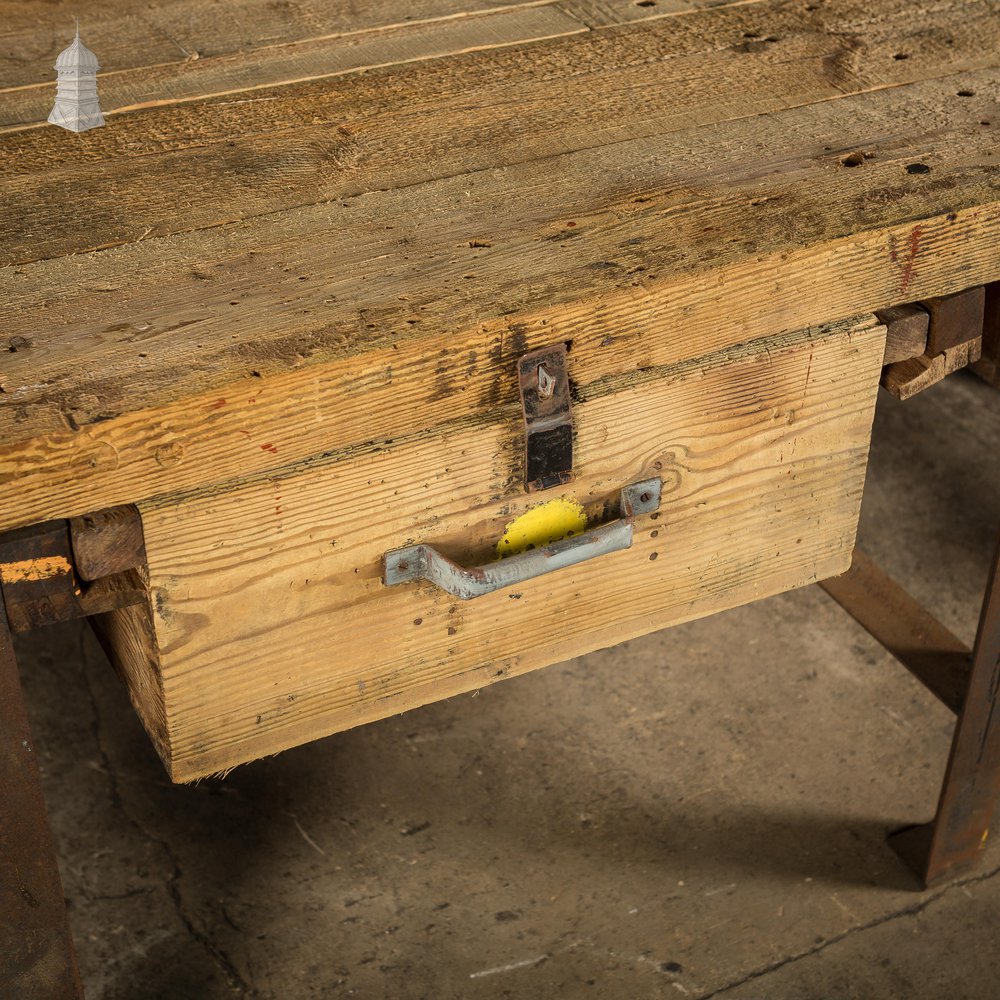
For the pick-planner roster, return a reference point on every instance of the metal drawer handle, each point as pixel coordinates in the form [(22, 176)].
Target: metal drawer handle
[(422, 562)]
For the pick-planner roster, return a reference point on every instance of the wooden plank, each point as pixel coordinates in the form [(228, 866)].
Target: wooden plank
[(129, 639), (905, 379), (318, 142), (259, 68), (605, 13), (152, 32), (628, 291), (107, 542), (906, 335), (180, 33), (929, 650), (274, 627)]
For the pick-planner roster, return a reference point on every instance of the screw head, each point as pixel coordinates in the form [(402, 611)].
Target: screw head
[(546, 382)]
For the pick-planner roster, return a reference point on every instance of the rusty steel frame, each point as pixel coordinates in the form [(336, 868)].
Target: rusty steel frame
[(971, 787), (968, 683), (37, 961), (50, 572)]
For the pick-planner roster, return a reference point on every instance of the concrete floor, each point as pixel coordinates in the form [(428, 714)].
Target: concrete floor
[(699, 813)]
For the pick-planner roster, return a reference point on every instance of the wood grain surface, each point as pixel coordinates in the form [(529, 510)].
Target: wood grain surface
[(277, 302), (188, 245), (273, 624), (613, 249)]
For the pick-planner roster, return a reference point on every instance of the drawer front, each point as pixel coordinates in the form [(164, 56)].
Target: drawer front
[(272, 626)]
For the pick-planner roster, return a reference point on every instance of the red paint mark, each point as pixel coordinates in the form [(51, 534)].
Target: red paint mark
[(217, 405), (277, 509), (252, 399), (269, 447), (245, 433), (912, 249)]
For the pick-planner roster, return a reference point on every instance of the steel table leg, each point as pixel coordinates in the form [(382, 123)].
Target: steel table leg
[(37, 961), (972, 781)]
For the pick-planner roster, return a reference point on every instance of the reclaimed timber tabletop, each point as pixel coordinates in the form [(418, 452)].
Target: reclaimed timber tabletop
[(292, 206)]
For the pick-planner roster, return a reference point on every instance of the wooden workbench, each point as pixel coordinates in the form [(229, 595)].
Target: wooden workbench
[(278, 303)]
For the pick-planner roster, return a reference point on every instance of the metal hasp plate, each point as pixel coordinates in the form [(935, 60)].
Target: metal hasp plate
[(548, 422), (421, 562)]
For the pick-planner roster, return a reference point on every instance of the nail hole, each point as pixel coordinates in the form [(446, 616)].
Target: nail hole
[(853, 159), (900, 56), (917, 168), (966, 93), (652, 556), (645, 3)]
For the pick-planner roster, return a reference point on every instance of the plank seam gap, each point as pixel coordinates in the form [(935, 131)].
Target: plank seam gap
[(376, 30), (479, 171)]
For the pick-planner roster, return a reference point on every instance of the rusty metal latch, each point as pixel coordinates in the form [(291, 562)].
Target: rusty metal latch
[(548, 421), (422, 562)]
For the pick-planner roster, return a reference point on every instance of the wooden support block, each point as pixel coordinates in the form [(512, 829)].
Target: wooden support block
[(41, 584), (988, 367), (955, 319), (107, 542), (906, 378), (906, 332)]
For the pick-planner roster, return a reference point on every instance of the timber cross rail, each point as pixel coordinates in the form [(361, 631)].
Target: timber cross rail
[(607, 288)]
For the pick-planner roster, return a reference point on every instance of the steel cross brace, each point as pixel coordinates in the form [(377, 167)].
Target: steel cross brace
[(44, 574), (968, 683)]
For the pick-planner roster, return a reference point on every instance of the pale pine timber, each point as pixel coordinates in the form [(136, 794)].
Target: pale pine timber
[(565, 292), (273, 625), (238, 73)]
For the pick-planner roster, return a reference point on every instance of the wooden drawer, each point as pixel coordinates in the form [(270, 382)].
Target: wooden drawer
[(269, 624)]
